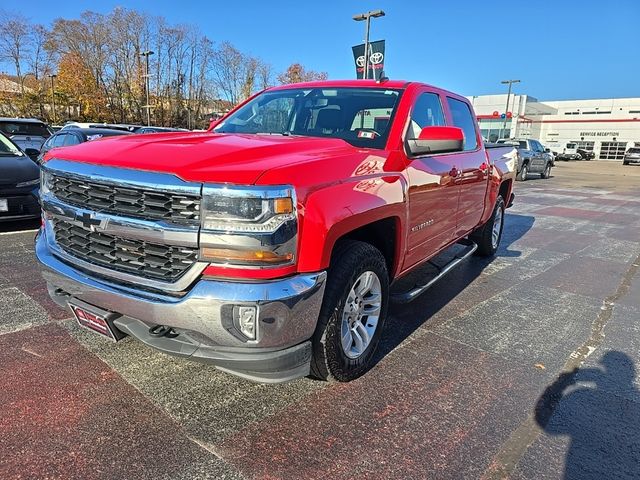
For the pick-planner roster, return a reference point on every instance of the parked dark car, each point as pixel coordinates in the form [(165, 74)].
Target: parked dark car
[(159, 130), (19, 183), (631, 156), (27, 133), (586, 154), (75, 136)]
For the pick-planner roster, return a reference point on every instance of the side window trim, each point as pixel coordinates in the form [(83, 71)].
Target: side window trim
[(421, 93), (474, 121)]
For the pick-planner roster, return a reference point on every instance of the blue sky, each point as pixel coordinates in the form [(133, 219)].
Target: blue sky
[(562, 49)]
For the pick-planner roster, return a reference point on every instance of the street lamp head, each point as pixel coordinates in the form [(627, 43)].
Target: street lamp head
[(509, 81), (377, 13), (147, 53), (360, 17)]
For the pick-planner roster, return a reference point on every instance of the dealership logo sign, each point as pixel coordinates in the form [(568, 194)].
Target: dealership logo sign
[(375, 52), (376, 58)]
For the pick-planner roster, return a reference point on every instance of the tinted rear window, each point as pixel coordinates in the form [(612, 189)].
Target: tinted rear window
[(24, 128)]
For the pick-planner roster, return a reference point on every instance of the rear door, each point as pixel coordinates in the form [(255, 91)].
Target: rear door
[(433, 186), (473, 165), (539, 159)]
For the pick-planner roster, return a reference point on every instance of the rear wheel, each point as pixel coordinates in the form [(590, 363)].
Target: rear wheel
[(353, 313), (625, 162), (488, 236), (524, 171)]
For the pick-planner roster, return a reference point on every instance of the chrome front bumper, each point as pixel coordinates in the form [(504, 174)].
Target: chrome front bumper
[(288, 311)]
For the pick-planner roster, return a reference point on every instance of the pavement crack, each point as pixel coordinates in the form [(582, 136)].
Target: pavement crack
[(507, 458), (206, 446), (35, 354)]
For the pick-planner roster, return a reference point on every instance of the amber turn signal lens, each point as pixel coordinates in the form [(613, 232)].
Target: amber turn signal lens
[(243, 256), (283, 205)]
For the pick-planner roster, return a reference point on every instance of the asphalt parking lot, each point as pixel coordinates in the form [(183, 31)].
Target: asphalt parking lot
[(522, 367)]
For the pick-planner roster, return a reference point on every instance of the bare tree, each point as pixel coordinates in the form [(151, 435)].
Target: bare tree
[(14, 43)]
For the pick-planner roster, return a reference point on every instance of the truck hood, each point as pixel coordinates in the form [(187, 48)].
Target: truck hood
[(204, 157)]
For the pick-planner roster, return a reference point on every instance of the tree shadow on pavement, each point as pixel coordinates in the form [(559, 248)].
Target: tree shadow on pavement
[(405, 319), (599, 409)]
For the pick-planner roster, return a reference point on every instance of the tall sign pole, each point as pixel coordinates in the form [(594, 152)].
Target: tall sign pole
[(147, 54), (367, 16), (504, 82)]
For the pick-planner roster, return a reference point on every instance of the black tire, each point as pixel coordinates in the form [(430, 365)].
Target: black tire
[(524, 171), (546, 172), (329, 361), (483, 236), (625, 163)]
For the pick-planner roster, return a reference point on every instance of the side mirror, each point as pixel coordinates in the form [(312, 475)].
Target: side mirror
[(548, 150), (32, 153), (437, 140)]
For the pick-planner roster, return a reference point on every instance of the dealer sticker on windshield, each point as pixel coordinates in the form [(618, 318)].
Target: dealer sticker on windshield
[(4, 205), (366, 134)]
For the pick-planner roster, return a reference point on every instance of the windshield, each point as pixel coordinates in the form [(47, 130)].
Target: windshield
[(32, 129), (360, 116), (634, 150), (7, 148), (571, 145)]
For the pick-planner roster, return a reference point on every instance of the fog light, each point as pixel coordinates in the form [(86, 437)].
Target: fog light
[(247, 321)]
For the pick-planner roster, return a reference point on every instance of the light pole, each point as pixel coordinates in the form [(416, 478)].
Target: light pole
[(505, 82), (53, 97), (147, 54), (367, 16)]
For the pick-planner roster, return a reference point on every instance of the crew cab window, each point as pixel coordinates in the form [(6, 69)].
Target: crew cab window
[(426, 112), (463, 119), (359, 116)]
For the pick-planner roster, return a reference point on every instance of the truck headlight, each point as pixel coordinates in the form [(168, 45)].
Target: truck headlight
[(250, 226)]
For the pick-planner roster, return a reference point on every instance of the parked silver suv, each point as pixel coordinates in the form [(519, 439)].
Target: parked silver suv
[(25, 132)]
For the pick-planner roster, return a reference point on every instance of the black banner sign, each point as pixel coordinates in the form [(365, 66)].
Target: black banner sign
[(376, 59)]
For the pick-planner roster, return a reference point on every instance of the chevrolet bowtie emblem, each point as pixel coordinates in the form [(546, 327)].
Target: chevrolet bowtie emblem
[(89, 221)]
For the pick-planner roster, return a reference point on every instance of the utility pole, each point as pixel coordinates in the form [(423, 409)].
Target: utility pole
[(147, 54), (505, 82), (367, 16), (53, 97)]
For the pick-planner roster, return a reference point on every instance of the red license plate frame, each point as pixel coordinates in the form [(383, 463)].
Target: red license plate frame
[(91, 320)]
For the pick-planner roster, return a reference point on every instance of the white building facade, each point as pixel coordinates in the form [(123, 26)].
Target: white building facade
[(607, 127)]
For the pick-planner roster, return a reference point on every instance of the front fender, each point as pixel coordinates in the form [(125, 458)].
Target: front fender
[(334, 211)]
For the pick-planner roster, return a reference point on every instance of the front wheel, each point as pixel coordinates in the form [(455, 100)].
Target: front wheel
[(353, 313), (489, 235), (547, 171)]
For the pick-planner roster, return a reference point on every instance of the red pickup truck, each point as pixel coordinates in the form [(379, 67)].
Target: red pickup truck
[(270, 245)]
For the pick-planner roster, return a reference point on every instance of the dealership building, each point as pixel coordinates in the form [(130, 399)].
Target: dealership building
[(606, 126)]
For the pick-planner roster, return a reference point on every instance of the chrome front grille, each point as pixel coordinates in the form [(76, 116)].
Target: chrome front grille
[(148, 204), (137, 257)]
